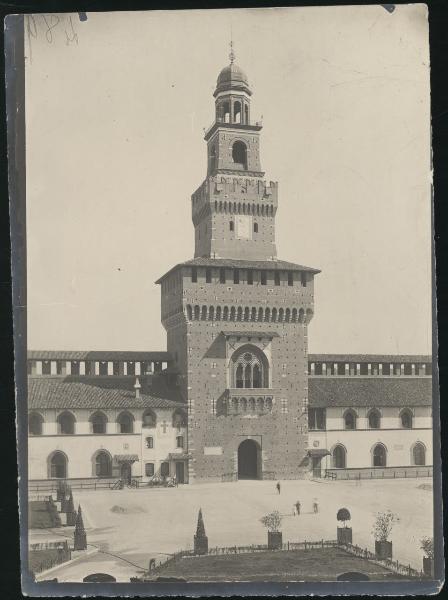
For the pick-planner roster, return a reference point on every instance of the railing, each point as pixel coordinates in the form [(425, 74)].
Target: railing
[(220, 121), (50, 485), (248, 401), (63, 544), (394, 566), (379, 473), (46, 555)]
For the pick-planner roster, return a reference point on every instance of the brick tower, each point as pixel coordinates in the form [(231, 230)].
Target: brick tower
[(236, 317)]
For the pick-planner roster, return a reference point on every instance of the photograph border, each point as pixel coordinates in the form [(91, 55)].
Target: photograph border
[(14, 67)]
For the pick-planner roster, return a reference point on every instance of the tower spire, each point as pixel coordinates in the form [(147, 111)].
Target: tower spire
[(232, 53)]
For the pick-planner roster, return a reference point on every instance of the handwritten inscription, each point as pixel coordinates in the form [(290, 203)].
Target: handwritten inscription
[(53, 28)]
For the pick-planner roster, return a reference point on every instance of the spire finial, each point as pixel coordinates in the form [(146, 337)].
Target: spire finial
[(232, 53)]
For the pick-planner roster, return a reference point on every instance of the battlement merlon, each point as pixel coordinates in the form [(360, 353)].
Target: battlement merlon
[(237, 194)]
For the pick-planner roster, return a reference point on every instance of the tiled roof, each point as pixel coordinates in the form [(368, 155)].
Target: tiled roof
[(99, 355), (369, 391), (271, 265), (101, 392), (371, 358), (126, 457)]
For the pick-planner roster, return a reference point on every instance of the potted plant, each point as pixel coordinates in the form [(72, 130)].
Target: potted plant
[(272, 522), (344, 533), (427, 545), (382, 528)]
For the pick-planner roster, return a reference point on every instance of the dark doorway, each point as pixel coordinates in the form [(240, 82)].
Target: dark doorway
[(353, 576), (248, 458), (317, 466), (99, 578), (126, 473), (180, 472)]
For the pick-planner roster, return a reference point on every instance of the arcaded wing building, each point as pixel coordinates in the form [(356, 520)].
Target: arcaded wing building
[(236, 394)]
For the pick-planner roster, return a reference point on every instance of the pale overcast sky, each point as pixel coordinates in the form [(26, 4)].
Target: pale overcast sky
[(115, 148)]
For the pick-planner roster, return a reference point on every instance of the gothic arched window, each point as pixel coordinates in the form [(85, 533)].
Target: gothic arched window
[(125, 423), (349, 419), (58, 465), (374, 418), (250, 368), (406, 419), (66, 423), (35, 421), (339, 457), (419, 454), (103, 464), (379, 456), (239, 154), (98, 422), (149, 418)]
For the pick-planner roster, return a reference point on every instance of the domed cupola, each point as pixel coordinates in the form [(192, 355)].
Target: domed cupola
[(232, 94), (232, 78)]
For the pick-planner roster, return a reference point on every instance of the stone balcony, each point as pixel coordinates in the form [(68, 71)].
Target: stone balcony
[(248, 401)]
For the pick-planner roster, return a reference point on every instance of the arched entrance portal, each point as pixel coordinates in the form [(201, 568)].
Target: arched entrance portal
[(249, 466)]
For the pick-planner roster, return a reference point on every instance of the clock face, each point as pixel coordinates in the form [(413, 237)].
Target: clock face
[(244, 227)]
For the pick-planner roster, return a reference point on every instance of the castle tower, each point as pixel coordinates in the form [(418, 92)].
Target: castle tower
[(234, 209), (236, 317)]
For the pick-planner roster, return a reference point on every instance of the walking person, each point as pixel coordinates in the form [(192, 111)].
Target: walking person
[(315, 506), (278, 486), (294, 510), (298, 507)]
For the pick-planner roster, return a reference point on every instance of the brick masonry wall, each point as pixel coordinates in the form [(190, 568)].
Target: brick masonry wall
[(202, 355)]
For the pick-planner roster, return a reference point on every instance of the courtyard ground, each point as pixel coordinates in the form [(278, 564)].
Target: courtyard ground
[(131, 526)]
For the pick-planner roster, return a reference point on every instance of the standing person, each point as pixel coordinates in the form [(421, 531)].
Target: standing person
[(278, 486), (298, 507), (315, 505)]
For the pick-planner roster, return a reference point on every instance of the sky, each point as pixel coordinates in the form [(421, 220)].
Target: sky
[(116, 108)]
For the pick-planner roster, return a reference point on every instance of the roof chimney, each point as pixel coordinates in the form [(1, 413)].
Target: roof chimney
[(137, 387)]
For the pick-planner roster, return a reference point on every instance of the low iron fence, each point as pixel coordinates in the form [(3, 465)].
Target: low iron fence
[(48, 485), (63, 544), (379, 473), (44, 556), (392, 565)]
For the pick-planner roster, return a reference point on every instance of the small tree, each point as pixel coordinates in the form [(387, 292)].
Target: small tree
[(383, 525), (80, 537), (200, 528), (427, 545), (70, 509), (343, 515), (200, 539), (272, 521)]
